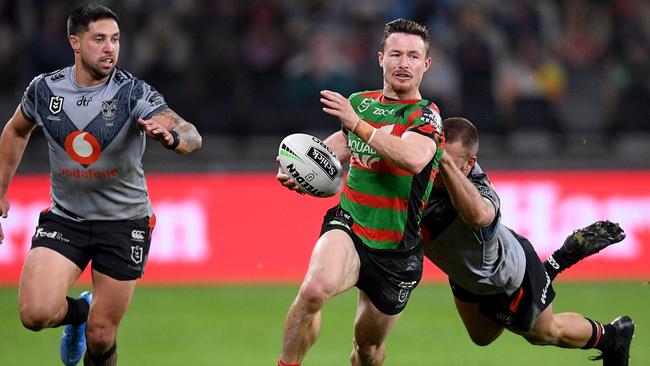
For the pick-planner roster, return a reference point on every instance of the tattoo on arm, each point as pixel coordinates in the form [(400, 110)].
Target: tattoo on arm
[(189, 136), (171, 118)]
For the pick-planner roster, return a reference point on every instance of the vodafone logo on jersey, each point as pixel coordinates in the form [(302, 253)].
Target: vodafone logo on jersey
[(82, 147)]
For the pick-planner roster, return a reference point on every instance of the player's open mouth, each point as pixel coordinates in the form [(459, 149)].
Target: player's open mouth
[(402, 76), (107, 62)]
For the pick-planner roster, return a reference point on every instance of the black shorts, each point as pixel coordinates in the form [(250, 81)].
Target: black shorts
[(520, 310), (386, 276), (118, 249)]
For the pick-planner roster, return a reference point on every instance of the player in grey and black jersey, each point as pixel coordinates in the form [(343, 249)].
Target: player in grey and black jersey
[(497, 279), (96, 118)]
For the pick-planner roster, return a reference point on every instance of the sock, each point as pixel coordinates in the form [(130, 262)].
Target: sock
[(282, 363), (555, 264), (602, 336), (77, 312), (109, 358)]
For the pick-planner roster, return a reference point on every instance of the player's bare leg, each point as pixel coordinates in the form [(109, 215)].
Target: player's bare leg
[(371, 328), (481, 329), (111, 299), (333, 268), (573, 330), (44, 283), (566, 330)]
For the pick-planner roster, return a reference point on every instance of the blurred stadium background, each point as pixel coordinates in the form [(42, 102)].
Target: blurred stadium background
[(559, 90)]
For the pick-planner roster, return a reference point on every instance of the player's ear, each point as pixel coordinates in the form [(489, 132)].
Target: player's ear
[(469, 164), (380, 58), (427, 63), (74, 43)]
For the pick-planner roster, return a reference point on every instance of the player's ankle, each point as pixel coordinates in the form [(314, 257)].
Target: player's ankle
[(108, 358)]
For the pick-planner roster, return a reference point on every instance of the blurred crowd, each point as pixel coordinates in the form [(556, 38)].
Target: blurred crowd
[(255, 67)]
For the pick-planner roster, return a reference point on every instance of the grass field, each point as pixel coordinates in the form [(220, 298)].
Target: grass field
[(242, 326)]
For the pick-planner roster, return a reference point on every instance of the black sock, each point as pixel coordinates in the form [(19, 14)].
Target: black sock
[(108, 358), (77, 312), (602, 336), (556, 263)]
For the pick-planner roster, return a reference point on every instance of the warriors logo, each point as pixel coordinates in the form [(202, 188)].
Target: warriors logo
[(109, 108), (82, 147)]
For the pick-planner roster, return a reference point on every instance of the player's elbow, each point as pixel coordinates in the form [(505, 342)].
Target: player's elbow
[(478, 218), (419, 159), (412, 168), (415, 165)]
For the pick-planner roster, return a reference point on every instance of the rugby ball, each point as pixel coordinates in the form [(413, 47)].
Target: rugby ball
[(312, 164)]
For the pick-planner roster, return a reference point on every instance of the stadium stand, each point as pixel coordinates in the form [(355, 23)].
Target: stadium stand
[(548, 83)]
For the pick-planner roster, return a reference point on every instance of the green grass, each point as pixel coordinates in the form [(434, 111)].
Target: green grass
[(243, 325)]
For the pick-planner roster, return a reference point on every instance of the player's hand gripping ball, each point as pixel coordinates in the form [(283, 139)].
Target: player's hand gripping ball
[(312, 164)]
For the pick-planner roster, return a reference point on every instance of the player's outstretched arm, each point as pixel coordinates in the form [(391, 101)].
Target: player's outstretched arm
[(471, 206), (12, 146), (172, 131), (412, 152), (338, 142)]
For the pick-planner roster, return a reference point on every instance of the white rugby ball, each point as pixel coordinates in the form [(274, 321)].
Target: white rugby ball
[(312, 164)]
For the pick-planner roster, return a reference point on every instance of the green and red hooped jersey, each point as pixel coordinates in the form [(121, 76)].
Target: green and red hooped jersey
[(385, 201)]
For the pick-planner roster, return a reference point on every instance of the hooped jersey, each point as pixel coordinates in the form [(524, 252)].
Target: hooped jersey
[(483, 261), (95, 142), (385, 201)]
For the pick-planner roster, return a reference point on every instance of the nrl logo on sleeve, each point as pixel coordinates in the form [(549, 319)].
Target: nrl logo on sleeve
[(56, 104), (109, 108)]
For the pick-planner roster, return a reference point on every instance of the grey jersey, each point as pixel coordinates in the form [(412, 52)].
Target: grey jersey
[(483, 261), (95, 143)]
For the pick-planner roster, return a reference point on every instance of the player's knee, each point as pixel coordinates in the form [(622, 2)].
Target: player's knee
[(482, 340), (539, 339), (33, 322), (368, 352), (100, 337), (313, 295), (36, 317)]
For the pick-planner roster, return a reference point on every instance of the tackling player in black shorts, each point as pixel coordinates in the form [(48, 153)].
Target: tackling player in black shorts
[(497, 279)]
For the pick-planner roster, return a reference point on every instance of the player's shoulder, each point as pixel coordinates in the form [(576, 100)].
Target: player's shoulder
[(121, 76), (481, 180), (56, 76), (426, 112), (140, 89), (422, 107), (428, 105), (52, 77), (477, 173), (365, 94), (40, 80)]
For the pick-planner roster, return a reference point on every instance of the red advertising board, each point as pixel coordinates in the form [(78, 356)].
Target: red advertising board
[(245, 228)]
